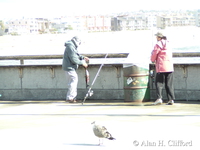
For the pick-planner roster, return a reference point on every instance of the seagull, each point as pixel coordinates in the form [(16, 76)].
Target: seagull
[(101, 132)]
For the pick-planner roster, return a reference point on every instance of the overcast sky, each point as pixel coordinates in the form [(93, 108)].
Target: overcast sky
[(47, 8)]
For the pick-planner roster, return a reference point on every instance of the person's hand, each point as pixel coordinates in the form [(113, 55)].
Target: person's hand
[(85, 65), (86, 59)]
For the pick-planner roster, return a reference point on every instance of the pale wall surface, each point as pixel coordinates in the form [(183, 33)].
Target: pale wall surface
[(43, 83)]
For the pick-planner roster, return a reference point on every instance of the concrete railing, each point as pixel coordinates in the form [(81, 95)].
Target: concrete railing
[(186, 54), (21, 58)]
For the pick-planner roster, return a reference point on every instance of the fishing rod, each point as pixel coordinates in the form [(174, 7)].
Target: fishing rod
[(90, 92)]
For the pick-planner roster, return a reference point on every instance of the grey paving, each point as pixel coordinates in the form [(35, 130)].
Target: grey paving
[(56, 125)]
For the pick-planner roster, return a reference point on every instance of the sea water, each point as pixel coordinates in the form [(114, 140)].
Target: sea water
[(138, 44)]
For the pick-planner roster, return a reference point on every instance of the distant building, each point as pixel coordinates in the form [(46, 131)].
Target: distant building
[(197, 18), (83, 23), (2, 28), (98, 23), (61, 24), (141, 20), (114, 24), (27, 26), (79, 23), (44, 25), (175, 20), (151, 20), (137, 21), (125, 22)]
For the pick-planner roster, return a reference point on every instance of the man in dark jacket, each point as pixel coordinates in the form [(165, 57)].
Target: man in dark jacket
[(71, 60)]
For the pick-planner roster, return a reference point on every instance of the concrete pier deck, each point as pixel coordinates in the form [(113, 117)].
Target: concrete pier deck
[(57, 125)]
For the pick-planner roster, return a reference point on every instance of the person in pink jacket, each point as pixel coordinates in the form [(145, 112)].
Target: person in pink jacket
[(162, 57)]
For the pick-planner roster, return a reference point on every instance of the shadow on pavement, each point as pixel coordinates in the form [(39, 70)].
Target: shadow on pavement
[(80, 144)]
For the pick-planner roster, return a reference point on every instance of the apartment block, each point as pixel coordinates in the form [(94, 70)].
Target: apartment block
[(175, 20), (27, 26), (83, 23), (151, 20), (98, 23), (139, 21)]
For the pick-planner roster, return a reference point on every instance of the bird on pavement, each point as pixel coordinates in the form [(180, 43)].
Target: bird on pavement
[(101, 132)]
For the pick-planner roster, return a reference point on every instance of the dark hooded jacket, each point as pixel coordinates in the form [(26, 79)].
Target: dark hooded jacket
[(71, 58)]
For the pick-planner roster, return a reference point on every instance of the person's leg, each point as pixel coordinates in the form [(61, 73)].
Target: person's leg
[(72, 81), (169, 86), (159, 85)]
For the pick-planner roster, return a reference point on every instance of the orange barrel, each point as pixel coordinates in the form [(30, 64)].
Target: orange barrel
[(136, 84)]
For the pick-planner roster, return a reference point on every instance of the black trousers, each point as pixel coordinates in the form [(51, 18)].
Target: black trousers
[(167, 80)]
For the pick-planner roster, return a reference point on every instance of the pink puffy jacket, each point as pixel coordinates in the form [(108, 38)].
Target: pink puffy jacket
[(162, 57)]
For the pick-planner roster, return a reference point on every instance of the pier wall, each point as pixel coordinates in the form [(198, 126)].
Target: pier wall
[(48, 82), (186, 82)]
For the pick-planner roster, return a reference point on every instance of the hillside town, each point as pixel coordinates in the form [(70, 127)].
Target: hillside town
[(140, 20)]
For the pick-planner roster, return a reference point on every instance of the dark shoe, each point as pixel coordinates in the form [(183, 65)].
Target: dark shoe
[(171, 102), (76, 101), (69, 101), (73, 101)]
